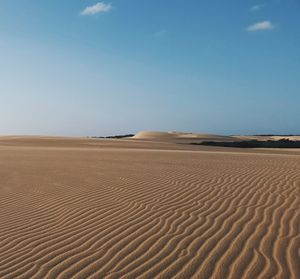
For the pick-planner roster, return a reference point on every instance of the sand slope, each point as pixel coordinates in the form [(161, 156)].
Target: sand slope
[(78, 208), (180, 137)]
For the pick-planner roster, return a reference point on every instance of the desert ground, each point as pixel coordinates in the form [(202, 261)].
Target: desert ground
[(148, 207)]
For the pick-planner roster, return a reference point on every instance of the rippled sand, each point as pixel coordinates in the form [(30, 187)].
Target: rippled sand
[(82, 208)]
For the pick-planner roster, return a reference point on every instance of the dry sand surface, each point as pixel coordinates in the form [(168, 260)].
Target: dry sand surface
[(83, 208)]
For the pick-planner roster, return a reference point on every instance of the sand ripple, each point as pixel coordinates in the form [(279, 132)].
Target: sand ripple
[(119, 213)]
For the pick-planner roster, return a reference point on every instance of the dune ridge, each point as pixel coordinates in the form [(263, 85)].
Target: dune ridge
[(128, 213), (180, 136), (183, 137)]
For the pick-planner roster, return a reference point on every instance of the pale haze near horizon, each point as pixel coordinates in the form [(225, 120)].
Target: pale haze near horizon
[(89, 68)]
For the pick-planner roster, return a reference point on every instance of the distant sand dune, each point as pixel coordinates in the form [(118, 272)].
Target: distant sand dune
[(103, 209), (180, 137), (294, 138), (192, 137)]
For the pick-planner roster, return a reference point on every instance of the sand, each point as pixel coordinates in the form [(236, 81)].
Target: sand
[(84, 208), (180, 137), (292, 138)]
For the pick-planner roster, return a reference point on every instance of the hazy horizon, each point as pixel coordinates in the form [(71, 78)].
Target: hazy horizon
[(98, 68)]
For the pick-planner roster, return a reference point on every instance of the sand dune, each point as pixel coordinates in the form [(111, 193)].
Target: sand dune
[(180, 137), (83, 208), (293, 138)]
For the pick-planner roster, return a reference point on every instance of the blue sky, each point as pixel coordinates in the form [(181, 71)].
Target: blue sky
[(83, 67)]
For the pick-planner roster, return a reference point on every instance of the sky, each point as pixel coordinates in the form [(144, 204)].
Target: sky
[(96, 68)]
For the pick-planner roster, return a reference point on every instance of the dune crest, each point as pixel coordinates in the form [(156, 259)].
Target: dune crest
[(180, 136)]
